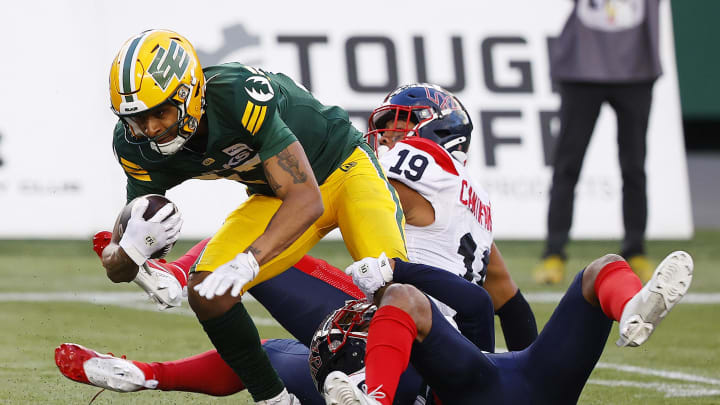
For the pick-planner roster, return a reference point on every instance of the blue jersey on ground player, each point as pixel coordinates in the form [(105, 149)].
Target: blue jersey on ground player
[(408, 327), (606, 290)]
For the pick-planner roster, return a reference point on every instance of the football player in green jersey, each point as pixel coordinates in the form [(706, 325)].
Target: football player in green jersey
[(306, 168)]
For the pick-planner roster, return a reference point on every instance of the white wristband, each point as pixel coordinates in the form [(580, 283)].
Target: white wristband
[(134, 254), (385, 269), (253, 263)]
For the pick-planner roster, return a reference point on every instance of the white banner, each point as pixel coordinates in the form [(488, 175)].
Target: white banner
[(58, 177)]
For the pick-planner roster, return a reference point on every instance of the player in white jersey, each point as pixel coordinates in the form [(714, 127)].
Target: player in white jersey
[(460, 237), (422, 133)]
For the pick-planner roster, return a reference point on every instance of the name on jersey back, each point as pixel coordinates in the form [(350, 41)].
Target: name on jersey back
[(481, 211)]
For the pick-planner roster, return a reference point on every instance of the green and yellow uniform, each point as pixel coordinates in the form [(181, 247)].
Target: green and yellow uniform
[(252, 115)]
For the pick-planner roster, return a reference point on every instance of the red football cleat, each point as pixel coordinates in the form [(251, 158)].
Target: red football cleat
[(87, 366)]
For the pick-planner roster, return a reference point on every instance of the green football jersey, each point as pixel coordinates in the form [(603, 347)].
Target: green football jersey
[(252, 115)]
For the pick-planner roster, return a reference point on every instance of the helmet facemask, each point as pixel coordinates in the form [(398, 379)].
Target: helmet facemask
[(339, 343), (392, 123), (183, 128)]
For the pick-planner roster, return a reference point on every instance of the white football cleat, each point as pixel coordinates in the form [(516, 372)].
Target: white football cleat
[(160, 284), (651, 304), (87, 366), (340, 389), (283, 398)]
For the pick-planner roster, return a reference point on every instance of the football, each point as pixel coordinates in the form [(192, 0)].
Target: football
[(155, 202)]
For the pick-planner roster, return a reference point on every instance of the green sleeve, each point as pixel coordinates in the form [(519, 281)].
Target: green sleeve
[(254, 99), (273, 137)]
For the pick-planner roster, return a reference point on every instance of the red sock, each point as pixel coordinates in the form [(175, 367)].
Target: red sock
[(206, 373), (390, 338), (615, 285), (324, 271)]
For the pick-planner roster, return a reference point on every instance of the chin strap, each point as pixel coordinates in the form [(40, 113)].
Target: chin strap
[(170, 147), (459, 156)]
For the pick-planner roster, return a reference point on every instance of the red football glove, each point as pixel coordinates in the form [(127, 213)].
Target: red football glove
[(100, 242)]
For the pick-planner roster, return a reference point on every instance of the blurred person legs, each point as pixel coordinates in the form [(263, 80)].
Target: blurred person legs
[(551, 270), (631, 103), (579, 110)]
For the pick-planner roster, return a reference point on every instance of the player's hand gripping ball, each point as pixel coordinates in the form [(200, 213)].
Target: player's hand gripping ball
[(148, 227)]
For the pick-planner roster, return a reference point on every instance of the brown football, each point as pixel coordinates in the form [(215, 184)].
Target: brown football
[(155, 202)]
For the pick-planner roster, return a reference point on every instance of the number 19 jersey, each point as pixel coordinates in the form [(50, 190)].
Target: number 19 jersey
[(460, 238)]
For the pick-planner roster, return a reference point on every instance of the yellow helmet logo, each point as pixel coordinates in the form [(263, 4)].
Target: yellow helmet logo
[(168, 64)]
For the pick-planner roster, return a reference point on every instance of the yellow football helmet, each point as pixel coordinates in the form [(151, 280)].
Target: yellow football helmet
[(153, 68)]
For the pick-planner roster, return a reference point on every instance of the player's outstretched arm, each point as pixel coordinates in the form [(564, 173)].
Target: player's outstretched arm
[(465, 298), (371, 275)]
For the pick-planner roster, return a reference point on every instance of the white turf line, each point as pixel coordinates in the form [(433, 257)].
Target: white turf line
[(133, 300), (103, 297), (670, 390), (691, 387)]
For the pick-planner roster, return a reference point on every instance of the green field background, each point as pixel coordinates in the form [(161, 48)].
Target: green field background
[(688, 342)]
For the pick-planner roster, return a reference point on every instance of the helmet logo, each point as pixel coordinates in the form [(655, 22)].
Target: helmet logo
[(445, 101), (259, 88), (169, 63)]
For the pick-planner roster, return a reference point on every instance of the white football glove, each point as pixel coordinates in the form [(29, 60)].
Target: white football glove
[(143, 238), (161, 286), (235, 273), (370, 274)]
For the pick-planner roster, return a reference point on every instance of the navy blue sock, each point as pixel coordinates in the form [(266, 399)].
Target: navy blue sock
[(518, 322), (236, 339)]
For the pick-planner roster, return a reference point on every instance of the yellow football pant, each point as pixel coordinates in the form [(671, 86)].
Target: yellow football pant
[(357, 198)]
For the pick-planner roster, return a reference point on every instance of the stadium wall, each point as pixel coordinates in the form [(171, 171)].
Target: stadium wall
[(59, 179)]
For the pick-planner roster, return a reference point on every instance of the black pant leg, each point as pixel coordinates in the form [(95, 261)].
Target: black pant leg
[(631, 103), (579, 109)]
